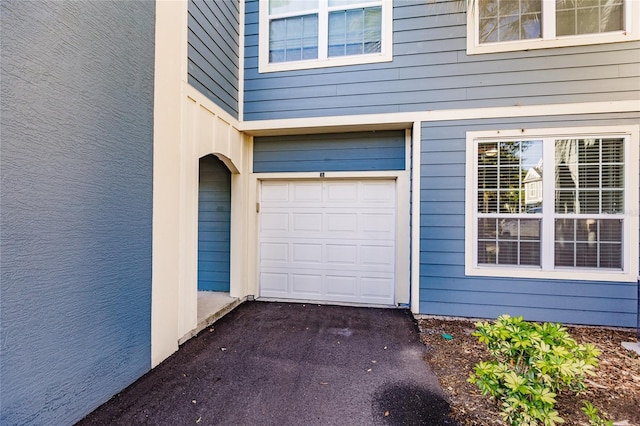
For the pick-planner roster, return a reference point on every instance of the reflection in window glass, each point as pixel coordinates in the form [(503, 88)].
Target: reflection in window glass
[(588, 243), (293, 39), (507, 20), (510, 177), (355, 31), (291, 6), (509, 189), (324, 29), (589, 176), (575, 17), (580, 224)]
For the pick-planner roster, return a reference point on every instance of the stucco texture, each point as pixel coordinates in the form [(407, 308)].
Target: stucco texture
[(76, 205)]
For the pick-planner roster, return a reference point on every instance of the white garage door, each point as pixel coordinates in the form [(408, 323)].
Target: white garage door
[(328, 240)]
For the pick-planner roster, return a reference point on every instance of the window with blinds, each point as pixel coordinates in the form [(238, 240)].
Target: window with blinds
[(589, 202), (553, 203), (508, 25)]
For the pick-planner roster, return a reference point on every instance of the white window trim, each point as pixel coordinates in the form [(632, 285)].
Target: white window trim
[(385, 54), (549, 40), (630, 229)]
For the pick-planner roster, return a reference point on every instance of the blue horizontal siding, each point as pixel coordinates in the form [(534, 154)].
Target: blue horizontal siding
[(214, 51), (359, 151), (214, 225), (444, 288), (430, 70)]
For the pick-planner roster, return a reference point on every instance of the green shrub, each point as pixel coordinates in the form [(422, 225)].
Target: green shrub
[(594, 415), (531, 364)]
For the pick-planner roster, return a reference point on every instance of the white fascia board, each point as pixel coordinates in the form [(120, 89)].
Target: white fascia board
[(392, 121)]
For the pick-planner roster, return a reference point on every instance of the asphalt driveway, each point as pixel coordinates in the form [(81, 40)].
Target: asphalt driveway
[(271, 363)]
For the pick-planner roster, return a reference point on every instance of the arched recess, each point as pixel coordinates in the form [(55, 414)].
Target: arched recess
[(214, 225)]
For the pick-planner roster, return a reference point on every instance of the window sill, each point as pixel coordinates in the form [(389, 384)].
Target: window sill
[(569, 41), (557, 274), (326, 63)]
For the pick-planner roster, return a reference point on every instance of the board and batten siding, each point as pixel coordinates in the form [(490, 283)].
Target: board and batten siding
[(214, 225), (357, 151), (431, 71), (214, 51), (77, 90), (444, 288)]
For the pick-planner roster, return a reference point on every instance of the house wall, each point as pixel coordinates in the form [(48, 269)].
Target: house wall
[(431, 71), (214, 225), (444, 289), (76, 159), (357, 151), (214, 51)]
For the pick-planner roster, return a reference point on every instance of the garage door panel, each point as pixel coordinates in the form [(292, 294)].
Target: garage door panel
[(306, 253), (377, 255), (275, 192), (378, 223), (276, 222), (342, 286), (340, 254), (274, 252), (378, 191), (328, 240), (338, 192), (306, 222), (377, 288), (275, 284), (304, 192), (306, 285), (341, 222)]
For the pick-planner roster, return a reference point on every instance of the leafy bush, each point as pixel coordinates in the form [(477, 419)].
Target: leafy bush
[(594, 415), (532, 363)]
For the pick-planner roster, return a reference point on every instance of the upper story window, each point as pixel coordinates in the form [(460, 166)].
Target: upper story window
[(302, 34), (553, 204), (507, 25)]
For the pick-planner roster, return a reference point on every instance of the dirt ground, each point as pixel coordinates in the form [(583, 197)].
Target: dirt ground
[(615, 389)]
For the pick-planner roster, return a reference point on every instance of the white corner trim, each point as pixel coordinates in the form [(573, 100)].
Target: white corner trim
[(170, 73), (415, 217)]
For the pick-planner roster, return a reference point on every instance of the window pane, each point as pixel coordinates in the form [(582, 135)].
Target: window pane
[(517, 242), (291, 6), (525, 249), (575, 17), (293, 39), (505, 20), (355, 31), (588, 243), (487, 244), (613, 202), (512, 172), (589, 176), (345, 3)]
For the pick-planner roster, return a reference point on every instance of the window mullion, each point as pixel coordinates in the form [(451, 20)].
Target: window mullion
[(323, 30), (548, 205), (548, 19)]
